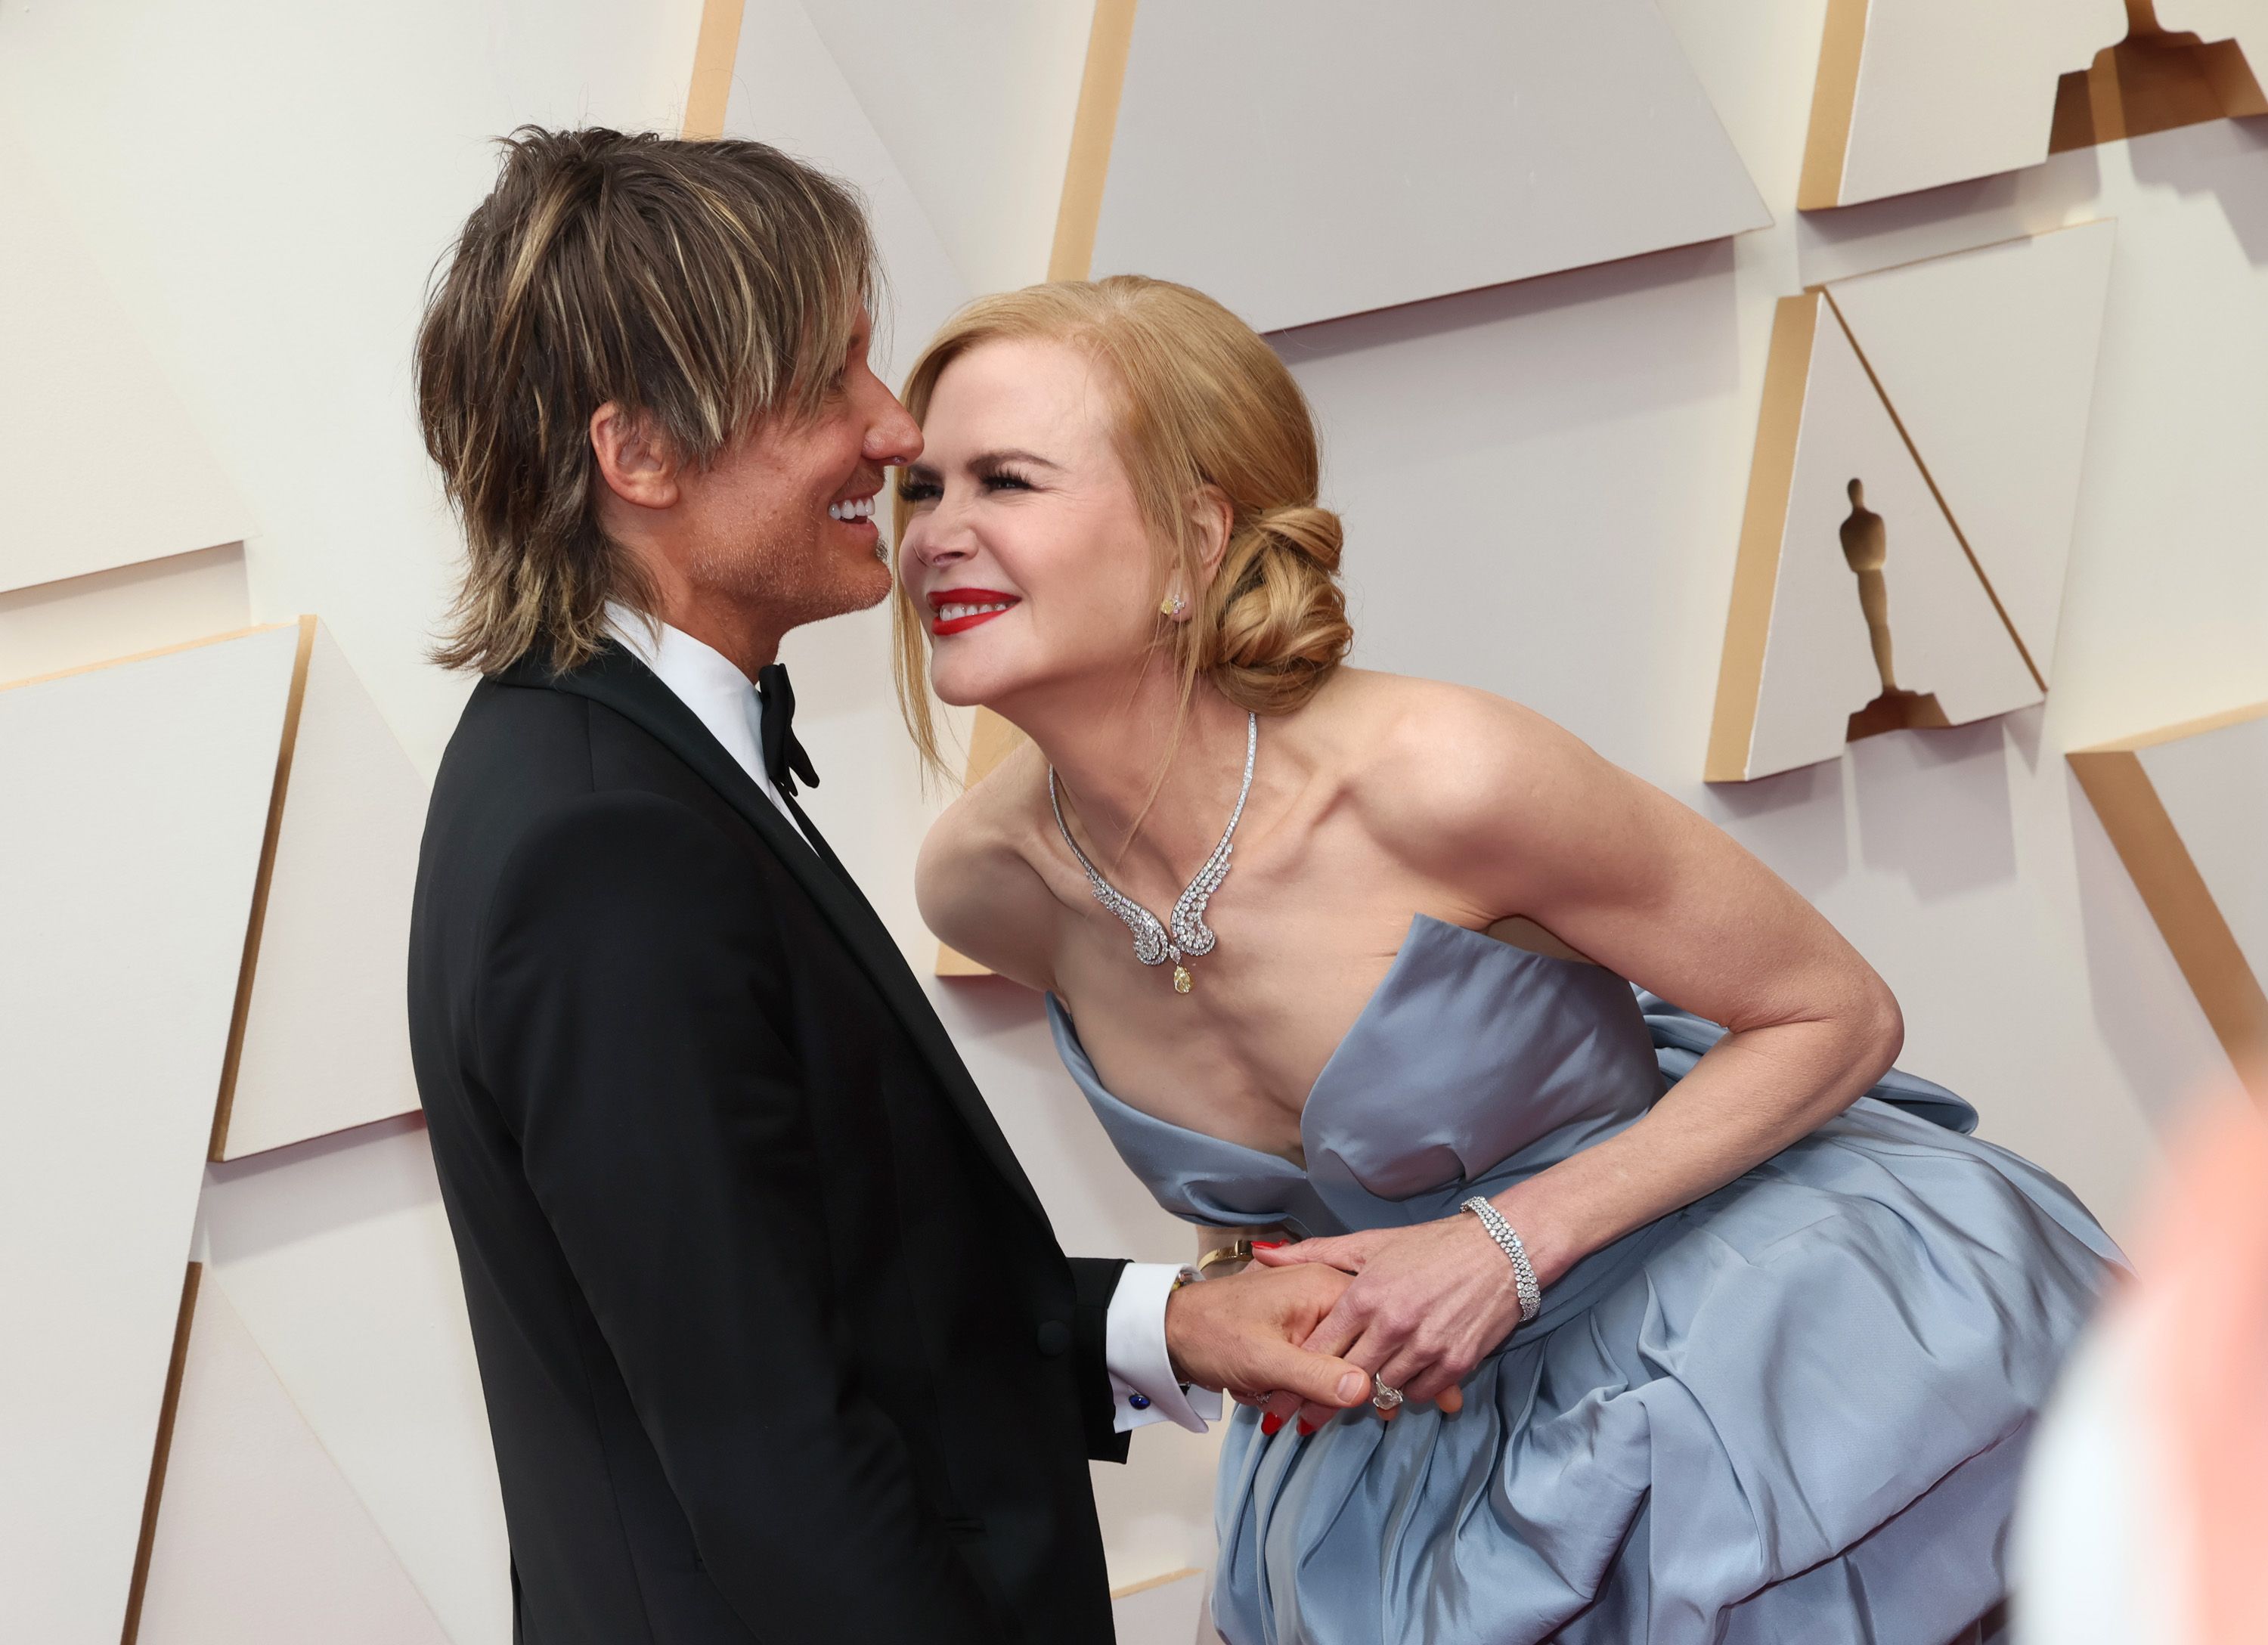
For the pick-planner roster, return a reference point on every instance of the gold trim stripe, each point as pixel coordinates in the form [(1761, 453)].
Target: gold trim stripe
[(1763, 523), (715, 51), (1100, 88), (224, 1100), (2158, 860)]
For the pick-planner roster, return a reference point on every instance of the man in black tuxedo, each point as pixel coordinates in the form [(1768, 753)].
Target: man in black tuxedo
[(777, 1340)]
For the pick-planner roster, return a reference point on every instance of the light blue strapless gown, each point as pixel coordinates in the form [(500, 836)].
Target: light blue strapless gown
[(1790, 1413)]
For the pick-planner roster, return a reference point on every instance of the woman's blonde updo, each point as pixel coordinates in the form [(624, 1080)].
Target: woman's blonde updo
[(1202, 400)]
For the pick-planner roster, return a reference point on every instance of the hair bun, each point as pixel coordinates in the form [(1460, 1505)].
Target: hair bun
[(1282, 624)]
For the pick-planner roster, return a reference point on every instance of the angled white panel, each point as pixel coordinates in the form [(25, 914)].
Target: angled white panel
[(260, 1540), (1988, 358), (1303, 159), (2214, 787), (137, 798), (788, 91), (326, 1036), (1818, 662), (339, 1261), (991, 176), (1955, 89), (123, 612), (100, 463)]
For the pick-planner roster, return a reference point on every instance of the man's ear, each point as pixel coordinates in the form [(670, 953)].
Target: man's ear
[(633, 459), (1213, 516)]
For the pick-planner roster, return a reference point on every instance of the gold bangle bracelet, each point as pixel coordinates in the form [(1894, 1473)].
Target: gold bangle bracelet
[(1236, 1251)]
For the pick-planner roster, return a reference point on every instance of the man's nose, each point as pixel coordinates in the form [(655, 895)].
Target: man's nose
[(893, 438)]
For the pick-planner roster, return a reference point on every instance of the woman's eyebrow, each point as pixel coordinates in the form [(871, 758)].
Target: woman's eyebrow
[(986, 459)]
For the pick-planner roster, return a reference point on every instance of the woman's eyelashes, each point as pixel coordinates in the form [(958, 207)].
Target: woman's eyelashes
[(923, 489)]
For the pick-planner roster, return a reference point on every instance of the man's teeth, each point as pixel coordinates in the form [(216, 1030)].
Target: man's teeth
[(950, 613), (857, 508)]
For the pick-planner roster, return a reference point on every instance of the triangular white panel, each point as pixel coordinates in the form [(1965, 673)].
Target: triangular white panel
[(340, 1265), (260, 1540), (1989, 358), (137, 799), (1304, 158), (1954, 89), (100, 463), (788, 91), (2214, 788), (326, 1037), (990, 177), (1818, 662)]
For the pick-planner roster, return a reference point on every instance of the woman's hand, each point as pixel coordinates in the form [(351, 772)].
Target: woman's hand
[(1428, 1303)]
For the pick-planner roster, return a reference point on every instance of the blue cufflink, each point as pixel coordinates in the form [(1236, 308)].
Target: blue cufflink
[(1140, 1402)]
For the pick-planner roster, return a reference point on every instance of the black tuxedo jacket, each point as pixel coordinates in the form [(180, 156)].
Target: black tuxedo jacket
[(776, 1340)]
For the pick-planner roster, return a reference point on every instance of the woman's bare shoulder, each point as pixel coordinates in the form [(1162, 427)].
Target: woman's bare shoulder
[(974, 881), (1439, 770), (1438, 742)]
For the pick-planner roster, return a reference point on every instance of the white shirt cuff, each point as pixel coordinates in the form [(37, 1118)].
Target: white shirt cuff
[(1142, 1388)]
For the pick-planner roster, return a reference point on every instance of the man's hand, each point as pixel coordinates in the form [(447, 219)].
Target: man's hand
[(1243, 1334)]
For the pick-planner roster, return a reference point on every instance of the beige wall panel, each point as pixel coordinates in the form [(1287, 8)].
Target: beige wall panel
[(2214, 784), (137, 796), (1988, 358), (1818, 666), (990, 177), (1304, 158), (260, 1540), (1944, 90), (100, 464), (337, 1257), (123, 612), (325, 1037)]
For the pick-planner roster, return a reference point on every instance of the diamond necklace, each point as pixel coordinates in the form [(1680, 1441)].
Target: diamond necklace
[(1187, 937)]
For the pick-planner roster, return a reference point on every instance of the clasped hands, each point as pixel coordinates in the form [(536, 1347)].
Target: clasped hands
[(1417, 1307)]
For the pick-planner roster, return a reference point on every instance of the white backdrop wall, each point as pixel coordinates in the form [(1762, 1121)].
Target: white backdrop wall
[(1542, 485)]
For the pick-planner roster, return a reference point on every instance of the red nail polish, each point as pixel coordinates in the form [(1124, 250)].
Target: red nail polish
[(1267, 1244), (1270, 1424), (1306, 1427)]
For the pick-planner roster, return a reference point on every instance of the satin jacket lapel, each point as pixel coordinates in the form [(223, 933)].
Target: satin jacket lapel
[(626, 685)]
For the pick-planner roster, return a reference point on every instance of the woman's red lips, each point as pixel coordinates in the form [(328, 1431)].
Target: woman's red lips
[(957, 610)]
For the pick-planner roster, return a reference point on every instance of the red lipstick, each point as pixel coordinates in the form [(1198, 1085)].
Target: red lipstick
[(958, 600)]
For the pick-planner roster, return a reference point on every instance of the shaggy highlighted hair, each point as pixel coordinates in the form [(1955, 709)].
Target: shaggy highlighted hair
[(700, 287)]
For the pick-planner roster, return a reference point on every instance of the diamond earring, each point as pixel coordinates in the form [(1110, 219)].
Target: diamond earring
[(1172, 606)]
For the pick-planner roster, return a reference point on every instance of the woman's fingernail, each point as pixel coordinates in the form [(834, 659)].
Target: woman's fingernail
[(1268, 1244), (1271, 1424), (1306, 1427)]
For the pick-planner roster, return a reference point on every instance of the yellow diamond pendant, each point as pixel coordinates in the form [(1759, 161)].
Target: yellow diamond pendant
[(1182, 979)]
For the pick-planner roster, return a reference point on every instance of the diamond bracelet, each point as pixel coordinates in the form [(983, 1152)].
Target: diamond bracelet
[(1523, 1275)]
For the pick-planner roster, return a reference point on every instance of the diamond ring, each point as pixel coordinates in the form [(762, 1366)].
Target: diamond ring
[(1384, 1398)]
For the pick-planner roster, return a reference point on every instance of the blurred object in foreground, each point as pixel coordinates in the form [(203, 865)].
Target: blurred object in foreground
[(2147, 1502)]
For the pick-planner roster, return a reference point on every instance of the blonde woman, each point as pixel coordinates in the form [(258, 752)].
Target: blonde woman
[(1747, 1332)]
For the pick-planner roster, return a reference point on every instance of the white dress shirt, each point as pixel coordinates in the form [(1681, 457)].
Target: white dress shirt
[(1142, 1383)]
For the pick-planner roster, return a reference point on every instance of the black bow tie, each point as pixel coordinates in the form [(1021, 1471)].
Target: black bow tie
[(784, 759)]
